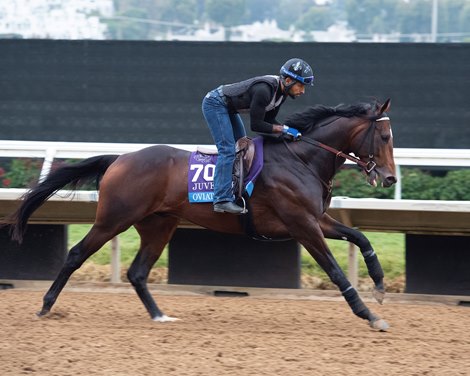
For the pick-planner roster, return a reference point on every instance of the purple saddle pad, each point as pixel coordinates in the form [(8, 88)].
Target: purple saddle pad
[(202, 168)]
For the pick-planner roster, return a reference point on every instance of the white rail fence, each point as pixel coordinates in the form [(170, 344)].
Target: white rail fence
[(48, 151)]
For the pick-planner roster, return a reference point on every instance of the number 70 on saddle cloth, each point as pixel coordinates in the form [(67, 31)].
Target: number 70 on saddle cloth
[(201, 177)]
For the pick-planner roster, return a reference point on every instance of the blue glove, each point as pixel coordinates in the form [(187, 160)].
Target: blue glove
[(292, 133)]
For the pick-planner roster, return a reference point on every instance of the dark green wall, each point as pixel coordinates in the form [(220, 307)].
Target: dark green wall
[(151, 92)]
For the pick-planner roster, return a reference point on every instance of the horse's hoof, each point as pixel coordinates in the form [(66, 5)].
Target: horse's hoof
[(42, 313), (378, 295), (164, 318), (379, 324)]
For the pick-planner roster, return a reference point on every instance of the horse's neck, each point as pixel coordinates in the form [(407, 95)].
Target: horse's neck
[(337, 135), (322, 163)]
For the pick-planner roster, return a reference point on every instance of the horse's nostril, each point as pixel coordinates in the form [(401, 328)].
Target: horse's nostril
[(391, 180)]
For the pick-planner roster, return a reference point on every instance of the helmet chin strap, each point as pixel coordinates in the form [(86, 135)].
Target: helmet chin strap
[(287, 87)]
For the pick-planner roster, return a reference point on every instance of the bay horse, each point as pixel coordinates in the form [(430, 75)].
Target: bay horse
[(148, 189)]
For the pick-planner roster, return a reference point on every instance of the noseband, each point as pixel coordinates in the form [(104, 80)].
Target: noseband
[(370, 165)]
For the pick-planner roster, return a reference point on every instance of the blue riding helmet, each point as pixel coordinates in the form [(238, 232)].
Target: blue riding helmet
[(298, 70)]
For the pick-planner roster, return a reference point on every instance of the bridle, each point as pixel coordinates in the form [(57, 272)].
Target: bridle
[(367, 166)]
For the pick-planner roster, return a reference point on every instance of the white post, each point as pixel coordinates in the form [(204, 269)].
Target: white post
[(398, 184), (115, 260), (434, 21), (47, 164), (352, 253), (353, 265)]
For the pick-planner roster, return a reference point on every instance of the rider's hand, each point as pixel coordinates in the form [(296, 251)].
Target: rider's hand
[(292, 133)]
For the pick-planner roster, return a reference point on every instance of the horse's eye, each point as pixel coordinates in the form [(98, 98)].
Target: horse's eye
[(385, 137)]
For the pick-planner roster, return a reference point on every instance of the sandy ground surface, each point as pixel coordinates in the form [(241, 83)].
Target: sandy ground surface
[(109, 333)]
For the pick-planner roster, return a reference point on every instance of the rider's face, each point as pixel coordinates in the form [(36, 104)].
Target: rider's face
[(297, 89)]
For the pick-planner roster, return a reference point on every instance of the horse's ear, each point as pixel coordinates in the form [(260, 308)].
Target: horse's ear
[(386, 106)]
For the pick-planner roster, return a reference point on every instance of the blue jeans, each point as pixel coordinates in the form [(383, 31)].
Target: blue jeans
[(226, 129)]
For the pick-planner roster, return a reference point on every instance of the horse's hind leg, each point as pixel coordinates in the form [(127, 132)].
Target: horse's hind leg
[(333, 229), (155, 232), (92, 242)]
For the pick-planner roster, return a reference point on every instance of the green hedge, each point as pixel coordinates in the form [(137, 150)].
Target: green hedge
[(416, 185), (19, 173), (24, 172)]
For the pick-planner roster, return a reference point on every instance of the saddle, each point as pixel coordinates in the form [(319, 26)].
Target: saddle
[(248, 165)]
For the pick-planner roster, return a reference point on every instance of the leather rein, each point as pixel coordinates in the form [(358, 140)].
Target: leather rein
[(367, 166)]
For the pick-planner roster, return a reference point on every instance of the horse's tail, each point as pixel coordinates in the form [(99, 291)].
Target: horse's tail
[(74, 175)]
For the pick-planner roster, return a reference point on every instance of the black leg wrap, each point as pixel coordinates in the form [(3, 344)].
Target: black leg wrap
[(373, 266), (356, 304)]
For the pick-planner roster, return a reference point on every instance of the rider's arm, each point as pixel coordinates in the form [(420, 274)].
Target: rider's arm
[(261, 95), (270, 117)]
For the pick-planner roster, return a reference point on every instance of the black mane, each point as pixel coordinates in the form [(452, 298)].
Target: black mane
[(313, 115)]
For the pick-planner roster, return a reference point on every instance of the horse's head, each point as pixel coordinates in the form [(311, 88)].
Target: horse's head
[(363, 129), (373, 144)]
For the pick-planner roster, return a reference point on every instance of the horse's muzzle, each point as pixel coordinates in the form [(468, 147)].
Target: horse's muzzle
[(389, 181)]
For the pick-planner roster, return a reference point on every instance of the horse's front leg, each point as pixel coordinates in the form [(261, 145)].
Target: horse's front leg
[(332, 229), (312, 239)]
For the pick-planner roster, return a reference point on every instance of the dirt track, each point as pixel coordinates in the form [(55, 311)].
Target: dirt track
[(106, 333)]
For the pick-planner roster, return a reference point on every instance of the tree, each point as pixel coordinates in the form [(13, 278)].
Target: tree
[(144, 16), (453, 17), (260, 10), (415, 17), (182, 11), (316, 18), (289, 13), (226, 12), (372, 16), (129, 28), (464, 21)]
